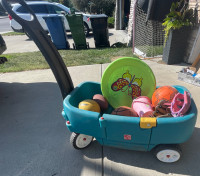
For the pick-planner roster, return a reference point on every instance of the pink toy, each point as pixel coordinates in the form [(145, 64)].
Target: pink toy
[(180, 104), (142, 105)]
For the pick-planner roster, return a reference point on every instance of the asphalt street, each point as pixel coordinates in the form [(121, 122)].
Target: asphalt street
[(5, 24), (24, 44)]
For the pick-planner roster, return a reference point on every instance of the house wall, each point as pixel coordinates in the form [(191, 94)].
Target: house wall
[(196, 46), (117, 18), (119, 14), (192, 4), (195, 49), (130, 23)]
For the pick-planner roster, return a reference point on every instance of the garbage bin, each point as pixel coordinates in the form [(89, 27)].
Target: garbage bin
[(2, 49), (100, 31), (55, 24), (76, 25), (2, 45)]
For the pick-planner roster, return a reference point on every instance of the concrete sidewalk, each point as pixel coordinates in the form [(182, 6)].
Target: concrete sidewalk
[(21, 43), (5, 16), (35, 141)]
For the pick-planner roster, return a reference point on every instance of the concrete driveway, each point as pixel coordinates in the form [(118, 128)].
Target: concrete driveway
[(35, 141)]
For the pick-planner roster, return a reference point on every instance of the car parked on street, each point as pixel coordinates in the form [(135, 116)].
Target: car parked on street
[(44, 8)]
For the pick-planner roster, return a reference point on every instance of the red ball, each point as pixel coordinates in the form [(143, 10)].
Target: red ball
[(124, 111), (163, 93), (103, 103)]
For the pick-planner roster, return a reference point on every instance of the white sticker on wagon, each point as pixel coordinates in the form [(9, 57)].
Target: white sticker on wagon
[(127, 137)]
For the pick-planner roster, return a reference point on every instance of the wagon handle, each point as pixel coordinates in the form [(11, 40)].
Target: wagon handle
[(45, 45)]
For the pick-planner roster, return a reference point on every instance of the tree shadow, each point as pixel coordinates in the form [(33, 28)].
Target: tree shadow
[(34, 139), (110, 34), (29, 39)]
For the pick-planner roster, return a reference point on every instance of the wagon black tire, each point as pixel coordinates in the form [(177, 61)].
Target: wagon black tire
[(168, 153), (80, 141)]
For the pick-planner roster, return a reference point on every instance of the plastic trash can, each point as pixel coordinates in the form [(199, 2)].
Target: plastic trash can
[(2, 45), (55, 24), (100, 31), (2, 49), (76, 25)]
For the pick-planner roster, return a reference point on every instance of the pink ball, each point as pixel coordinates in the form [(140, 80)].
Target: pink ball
[(103, 103)]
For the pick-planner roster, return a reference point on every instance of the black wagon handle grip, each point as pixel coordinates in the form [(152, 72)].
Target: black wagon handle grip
[(45, 45)]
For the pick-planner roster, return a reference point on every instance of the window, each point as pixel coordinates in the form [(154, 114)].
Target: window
[(59, 10), (40, 8), (51, 9), (21, 9)]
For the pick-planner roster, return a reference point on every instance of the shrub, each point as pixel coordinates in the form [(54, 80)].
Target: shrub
[(111, 22), (180, 15)]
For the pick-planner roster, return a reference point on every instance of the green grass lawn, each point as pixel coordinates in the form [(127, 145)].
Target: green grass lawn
[(12, 33), (35, 60), (151, 51)]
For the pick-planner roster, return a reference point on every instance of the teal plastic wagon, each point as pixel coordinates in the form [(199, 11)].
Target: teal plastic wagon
[(163, 135)]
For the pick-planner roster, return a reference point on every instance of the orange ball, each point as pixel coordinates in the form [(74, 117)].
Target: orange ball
[(163, 93)]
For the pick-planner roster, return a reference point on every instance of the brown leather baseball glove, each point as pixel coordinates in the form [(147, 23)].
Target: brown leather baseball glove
[(162, 109)]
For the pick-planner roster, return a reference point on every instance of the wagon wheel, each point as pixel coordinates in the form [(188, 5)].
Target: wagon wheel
[(168, 153), (80, 141)]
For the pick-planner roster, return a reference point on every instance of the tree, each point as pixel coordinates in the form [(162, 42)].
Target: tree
[(81, 5), (103, 6), (95, 6), (66, 3)]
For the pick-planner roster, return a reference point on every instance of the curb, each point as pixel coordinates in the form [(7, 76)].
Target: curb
[(5, 32)]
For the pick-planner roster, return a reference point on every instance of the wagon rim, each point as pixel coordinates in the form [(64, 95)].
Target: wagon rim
[(168, 156), (83, 140)]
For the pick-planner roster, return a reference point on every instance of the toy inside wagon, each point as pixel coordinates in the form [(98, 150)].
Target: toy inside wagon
[(126, 110), (139, 115)]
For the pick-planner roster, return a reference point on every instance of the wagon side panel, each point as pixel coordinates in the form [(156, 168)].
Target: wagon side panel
[(174, 130), (125, 132)]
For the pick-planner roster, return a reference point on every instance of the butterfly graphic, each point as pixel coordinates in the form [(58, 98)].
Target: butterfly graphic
[(128, 83)]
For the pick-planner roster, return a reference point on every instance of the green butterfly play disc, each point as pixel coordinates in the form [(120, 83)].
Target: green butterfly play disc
[(125, 79)]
